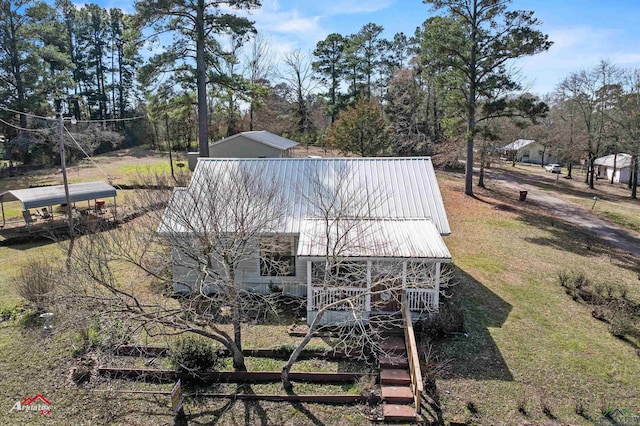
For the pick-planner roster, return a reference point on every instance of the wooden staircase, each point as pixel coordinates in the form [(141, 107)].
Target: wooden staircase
[(395, 380)]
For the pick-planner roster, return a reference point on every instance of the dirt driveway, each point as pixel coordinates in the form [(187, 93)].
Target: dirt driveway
[(562, 209)]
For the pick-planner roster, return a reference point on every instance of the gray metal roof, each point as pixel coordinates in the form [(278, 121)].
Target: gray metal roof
[(375, 188), (518, 144), (622, 160), (387, 238), (51, 195), (262, 137)]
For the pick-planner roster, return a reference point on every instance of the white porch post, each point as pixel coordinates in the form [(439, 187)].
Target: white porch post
[(367, 297), (404, 275), (436, 296), (309, 289)]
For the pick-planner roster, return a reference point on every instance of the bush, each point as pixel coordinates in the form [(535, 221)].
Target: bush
[(194, 356), (448, 320), (35, 284)]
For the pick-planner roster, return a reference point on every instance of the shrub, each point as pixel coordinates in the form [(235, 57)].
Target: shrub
[(448, 320), (35, 283), (194, 356)]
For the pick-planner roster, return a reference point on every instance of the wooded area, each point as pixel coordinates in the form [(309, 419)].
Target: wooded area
[(446, 89)]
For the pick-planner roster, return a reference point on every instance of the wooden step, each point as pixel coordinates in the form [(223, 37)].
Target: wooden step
[(394, 361), (397, 394), (398, 413), (394, 377), (393, 345)]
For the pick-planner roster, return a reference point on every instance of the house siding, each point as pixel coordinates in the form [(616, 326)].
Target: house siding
[(185, 275), (242, 147)]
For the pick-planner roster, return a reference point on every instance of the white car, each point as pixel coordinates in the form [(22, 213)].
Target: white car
[(553, 168)]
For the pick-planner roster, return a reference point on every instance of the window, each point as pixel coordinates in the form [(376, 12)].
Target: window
[(277, 258)]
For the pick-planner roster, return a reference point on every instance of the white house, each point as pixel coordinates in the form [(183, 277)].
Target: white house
[(617, 166), (529, 151), (255, 144), (386, 216)]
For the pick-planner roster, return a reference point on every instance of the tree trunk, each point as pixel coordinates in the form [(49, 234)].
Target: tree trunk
[(613, 175), (286, 383), (569, 169), (591, 174), (634, 185), (201, 81), (471, 110)]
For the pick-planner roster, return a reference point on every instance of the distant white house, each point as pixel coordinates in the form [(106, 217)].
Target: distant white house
[(399, 219), (617, 166), (256, 144), (529, 151)]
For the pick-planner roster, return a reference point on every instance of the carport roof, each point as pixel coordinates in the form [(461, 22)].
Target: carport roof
[(50, 195)]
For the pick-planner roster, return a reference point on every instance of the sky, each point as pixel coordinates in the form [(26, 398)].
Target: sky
[(584, 32)]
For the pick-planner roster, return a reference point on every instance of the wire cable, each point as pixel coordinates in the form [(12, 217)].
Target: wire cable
[(106, 120), (88, 157), (24, 129)]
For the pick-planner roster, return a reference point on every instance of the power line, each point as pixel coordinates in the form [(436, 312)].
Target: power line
[(106, 120), (88, 157), (27, 130)]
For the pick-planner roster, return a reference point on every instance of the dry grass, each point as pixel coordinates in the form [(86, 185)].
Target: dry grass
[(529, 345), (526, 337)]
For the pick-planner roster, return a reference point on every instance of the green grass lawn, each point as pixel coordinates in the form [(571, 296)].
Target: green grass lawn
[(529, 344), (530, 353)]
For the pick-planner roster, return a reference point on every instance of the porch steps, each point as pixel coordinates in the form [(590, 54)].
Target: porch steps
[(398, 413), (394, 361), (395, 382), (394, 377), (393, 345), (397, 394)]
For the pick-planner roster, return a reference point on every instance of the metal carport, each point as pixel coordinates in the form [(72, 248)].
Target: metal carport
[(46, 196)]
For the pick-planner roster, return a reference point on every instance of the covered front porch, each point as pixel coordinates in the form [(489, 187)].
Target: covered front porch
[(386, 286), (381, 265)]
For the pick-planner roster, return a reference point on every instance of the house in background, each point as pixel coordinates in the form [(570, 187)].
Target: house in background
[(617, 166), (256, 144), (529, 151), (384, 213)]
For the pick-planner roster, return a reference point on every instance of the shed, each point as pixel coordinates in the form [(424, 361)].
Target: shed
[(255, 144), (616, 166)]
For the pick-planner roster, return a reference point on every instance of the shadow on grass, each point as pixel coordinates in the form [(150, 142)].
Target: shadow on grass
[(475, 355), (565, 236)]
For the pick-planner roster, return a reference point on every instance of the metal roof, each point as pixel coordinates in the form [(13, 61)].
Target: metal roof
[(518, 144), (50, 195), (380, 238), (262, 137), (623, 160), (374, 188)]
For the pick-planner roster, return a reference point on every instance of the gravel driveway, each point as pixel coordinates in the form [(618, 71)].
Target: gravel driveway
[(576, 215)]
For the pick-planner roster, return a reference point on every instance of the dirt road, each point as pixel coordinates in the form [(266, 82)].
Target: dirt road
[(569, 212)]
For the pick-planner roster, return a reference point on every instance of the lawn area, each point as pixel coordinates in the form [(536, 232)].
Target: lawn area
[(530, 353)]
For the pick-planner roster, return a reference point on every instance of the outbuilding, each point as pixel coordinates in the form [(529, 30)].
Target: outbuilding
[(255, 144)]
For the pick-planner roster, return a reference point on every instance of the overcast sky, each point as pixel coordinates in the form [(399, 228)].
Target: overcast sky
[(584, 31)]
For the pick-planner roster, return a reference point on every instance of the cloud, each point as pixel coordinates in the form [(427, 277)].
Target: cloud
[(575, 49), (349, 7)]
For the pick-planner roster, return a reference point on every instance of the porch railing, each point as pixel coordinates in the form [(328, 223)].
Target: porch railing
[(417, 386), (322, 297), (420, 299)]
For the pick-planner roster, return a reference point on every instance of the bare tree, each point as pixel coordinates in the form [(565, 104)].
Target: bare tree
[(258, 70), (356, 269), (298, 75), (194, 247)]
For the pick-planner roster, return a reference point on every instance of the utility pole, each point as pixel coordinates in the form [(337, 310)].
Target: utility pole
[(166, 123), (63, 165)]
